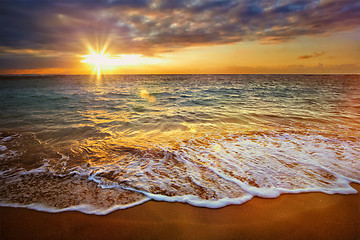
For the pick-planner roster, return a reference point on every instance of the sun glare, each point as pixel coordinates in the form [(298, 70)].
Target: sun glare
[(98, 60), (102, 61)]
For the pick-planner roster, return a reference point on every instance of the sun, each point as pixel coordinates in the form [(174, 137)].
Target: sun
[(103, 62), (98, 59)]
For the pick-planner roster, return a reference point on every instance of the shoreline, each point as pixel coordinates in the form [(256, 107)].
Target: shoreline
[(290, 216)]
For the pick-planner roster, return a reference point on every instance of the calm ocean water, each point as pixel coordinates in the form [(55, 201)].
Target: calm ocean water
[(97, 145)]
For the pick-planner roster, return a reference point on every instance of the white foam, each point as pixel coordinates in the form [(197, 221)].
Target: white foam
[(242, 155), (196, 201), (233, 168), (42, 169), (8, 138), (264, 157), (5, 139), (84, 208)]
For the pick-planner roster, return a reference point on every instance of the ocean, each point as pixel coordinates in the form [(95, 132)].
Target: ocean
[(98, 145)]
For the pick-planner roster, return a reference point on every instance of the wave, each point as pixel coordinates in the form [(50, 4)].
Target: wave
[(97, 176)]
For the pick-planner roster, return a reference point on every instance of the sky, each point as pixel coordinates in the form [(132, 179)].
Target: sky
[(179, 36)]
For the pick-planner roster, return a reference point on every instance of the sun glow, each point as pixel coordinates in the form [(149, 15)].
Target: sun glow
[(102, 61), (98, 60)]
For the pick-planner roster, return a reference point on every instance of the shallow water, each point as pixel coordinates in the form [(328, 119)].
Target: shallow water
[(97, 145)]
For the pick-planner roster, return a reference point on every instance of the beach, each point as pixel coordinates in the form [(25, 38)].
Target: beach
[(290, 216)]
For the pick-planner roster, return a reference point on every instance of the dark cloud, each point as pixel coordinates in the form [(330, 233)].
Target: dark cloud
[(20, 61), (153, 26), (210, 5), (297, 6)]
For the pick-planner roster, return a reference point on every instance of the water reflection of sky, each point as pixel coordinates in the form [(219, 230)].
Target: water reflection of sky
[(180, 103)]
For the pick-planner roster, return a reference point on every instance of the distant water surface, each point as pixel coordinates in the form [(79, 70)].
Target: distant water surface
[(97, 145)]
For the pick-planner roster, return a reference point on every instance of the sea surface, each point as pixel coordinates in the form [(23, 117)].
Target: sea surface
[(97, 145)]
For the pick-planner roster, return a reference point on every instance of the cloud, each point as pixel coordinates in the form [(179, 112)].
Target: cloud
[(154, 26), (297, 6), (297, 69), (315, 54)]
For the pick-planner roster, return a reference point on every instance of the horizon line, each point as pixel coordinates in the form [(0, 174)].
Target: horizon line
[(117, 74)]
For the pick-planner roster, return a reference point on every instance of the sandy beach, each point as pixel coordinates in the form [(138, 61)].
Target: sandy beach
[(291, 216)]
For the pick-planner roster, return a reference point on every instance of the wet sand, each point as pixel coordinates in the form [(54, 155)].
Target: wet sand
[(291, 216)]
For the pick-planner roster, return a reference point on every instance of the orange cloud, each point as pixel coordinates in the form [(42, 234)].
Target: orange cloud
[(315, 54)]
